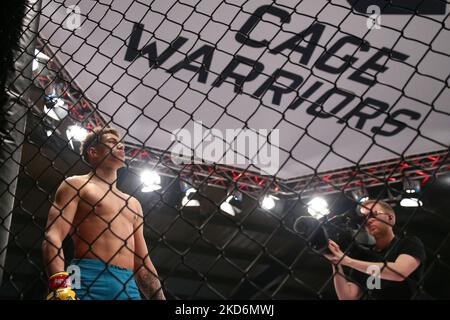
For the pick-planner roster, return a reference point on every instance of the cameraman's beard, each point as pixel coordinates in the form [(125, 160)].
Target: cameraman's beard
[(379, 232)]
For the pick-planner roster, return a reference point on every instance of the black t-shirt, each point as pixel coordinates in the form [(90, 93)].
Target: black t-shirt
[(391, 290)]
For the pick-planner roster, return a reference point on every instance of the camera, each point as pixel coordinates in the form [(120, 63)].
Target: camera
[(345, 229)]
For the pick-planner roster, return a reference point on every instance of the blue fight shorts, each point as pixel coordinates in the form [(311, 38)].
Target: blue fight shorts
[(102, 281)]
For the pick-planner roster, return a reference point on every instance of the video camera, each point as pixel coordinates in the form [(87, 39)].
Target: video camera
[(345, 229)]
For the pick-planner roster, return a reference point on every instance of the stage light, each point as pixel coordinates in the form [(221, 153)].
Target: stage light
[(232, 203), (360, 195), (187, 200), (151, 181), (318, 207), (410, 199), (39, 59), (269, 202), (75, 133)]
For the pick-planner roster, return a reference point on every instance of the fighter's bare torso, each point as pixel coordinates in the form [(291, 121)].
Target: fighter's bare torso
[(103, 226)]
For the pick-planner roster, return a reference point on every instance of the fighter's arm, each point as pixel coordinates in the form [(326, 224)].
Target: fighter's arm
[(144, 270), (59, 222)]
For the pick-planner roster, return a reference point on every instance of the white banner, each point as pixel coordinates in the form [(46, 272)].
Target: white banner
[(340, 86)]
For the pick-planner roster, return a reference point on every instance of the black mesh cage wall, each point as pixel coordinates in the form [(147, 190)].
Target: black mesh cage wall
[(250, 131)]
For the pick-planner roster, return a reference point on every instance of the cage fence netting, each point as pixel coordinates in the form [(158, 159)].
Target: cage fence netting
[(193, 149)]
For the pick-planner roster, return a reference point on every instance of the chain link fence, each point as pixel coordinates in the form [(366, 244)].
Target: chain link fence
[(248, 134)]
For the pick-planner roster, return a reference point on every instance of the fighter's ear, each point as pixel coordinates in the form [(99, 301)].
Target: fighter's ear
[(91, 151)]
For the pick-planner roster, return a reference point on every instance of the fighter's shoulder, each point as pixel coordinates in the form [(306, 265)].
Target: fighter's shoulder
[(134, 204), (133, 200), (75, 182)]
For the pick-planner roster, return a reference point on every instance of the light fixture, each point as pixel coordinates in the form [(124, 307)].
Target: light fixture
[(187, 200), (51, 113), (360, 195), (269, 202), (318, 207), (410, 199), (39, 58), (151, 181), (75, 133), (187, 187), (232, 203), (55, 107), (411, 202)]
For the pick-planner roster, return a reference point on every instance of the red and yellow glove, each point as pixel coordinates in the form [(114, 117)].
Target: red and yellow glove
[(60, 287)]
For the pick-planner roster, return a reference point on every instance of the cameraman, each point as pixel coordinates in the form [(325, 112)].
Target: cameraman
[(389, 270)]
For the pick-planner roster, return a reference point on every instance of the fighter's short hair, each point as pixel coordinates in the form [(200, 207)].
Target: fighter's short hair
[(93, 138)]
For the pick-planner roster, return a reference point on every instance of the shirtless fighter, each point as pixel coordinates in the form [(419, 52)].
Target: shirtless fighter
[(106, 226)]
